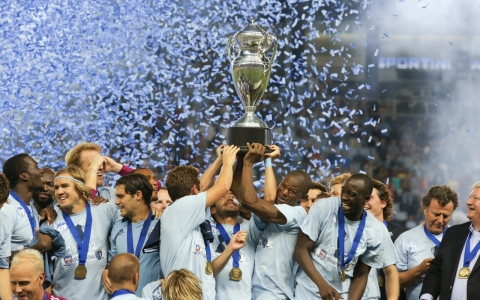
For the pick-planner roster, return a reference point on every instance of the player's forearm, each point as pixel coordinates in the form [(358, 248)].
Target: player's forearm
[(221, 261), (359, 281), (302, 256), (207, 177), (270, 188), (237, 179), (91, 177), (392, 283), (5, 290), (409, 277), (250, 196), (225, 177)]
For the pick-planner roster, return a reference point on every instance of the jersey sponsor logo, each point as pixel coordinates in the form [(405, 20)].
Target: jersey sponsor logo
[(67, 260), (62, 226), (200, 251)]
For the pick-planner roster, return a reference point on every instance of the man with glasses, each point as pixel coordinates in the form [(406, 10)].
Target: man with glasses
[(417, 247)]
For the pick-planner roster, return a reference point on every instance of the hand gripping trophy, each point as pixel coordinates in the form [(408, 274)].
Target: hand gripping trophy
[(251, 72)]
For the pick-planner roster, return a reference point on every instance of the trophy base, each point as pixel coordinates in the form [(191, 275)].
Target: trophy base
[(240, 136)]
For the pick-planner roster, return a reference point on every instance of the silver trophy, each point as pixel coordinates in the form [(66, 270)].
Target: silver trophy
[(251, 72)]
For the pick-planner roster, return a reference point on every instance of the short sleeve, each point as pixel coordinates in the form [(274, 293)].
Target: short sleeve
[(318, 214), (255, 229), (390, 256), (373, 255), (402, 254), (186, 213), (295, 216)]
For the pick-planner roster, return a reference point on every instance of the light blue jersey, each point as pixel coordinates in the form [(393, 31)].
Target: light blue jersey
[(149, 262), (107, 193), (22, 232), (321, 226), (273, 278), (182, 244), (413, 246), (372, 291), (6, 229), (152, 291), (229, 289), (126, 297), (63, 281)]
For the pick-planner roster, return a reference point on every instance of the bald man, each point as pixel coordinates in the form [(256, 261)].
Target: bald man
[(124, 275)]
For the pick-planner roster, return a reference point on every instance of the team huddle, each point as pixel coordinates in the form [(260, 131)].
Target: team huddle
[(65, 235)]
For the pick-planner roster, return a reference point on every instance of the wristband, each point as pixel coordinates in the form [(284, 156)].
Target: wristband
[(268, 162)]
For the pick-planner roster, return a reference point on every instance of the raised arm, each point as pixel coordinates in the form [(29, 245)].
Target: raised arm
[(224, 180), (98, 162), (237, 242), (207, 177), (264, 210), (270, 188), (302, 256)]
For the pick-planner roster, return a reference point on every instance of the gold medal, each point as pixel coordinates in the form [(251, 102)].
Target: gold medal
[(464, 273), (380, 280), (208, 268), (80, 272), (342, 275), (236, 274)]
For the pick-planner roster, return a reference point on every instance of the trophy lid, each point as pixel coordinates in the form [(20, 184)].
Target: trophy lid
[(251, 35)]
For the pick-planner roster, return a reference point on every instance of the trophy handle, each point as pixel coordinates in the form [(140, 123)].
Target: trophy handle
[(274, 50), (229, 46)]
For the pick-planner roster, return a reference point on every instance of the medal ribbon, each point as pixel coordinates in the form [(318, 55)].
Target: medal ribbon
[(226, 238), (121, 292), (31, 217), (82, 245), (432, 237), (141, 239), (44, 295), (468, 256), (341, 238)]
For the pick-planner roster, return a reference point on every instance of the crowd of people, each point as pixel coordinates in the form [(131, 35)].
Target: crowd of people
[(66, 235)]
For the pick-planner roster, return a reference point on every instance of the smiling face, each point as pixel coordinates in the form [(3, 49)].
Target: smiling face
[(353, 199), (66, 194), (375, 206), (473, 206), (86, 158), (127, 203), (437, 216), (26, 284), (226, 206)]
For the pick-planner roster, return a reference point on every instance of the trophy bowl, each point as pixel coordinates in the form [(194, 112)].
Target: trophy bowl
[(250, 69)]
